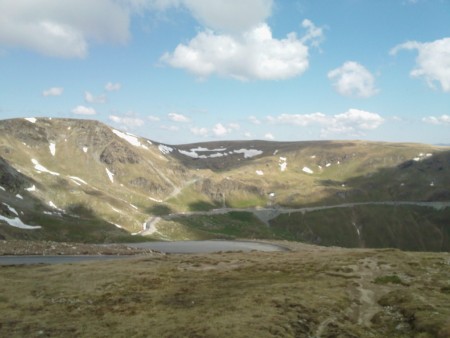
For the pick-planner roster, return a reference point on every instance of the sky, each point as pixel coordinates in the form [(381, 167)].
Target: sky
[(184, 71)]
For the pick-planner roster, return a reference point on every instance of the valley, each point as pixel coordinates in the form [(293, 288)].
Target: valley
[(342, 208), (83, 181)]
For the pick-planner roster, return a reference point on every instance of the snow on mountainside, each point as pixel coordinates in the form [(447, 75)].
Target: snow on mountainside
[(66, 168)]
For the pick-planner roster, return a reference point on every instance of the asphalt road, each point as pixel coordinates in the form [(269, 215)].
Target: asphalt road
[(182, 247)]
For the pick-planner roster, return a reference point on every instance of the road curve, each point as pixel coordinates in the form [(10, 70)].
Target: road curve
[(182, 247)]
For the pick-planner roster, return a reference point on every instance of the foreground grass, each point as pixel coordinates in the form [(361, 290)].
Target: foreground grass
[(309, 292)]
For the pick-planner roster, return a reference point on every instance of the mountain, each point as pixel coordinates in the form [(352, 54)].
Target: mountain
[(67, 179)]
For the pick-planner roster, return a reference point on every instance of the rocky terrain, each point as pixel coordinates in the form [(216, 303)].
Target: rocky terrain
[(49, 248), (83, 181)]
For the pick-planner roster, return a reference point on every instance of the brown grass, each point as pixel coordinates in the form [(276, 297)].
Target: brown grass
[(312, 291)]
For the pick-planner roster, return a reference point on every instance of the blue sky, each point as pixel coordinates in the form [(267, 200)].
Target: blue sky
[(181, 71)]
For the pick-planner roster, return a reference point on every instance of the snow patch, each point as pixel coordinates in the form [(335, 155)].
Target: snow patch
[(1, 188), (17, 223), (41, 168), (52, 147), (192, 154), (110, 175), (11, 209), (259, 172), (155, 200), (85, 149), (307, 170), (165, 149), (432, 184), (77, 180), (19, 196), (133, 206), (328, 165), (422, 156), (249, 153), (130, 138), (31, 119), (118, 226), (282, 163)]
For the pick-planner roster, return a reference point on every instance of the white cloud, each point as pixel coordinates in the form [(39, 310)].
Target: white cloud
[(254, 120), (314, 35), (111, 87), (82, 110), (352, 122), (223, 15), (198, 131), (302, 120), (62, 28), (153, 118), (127, 121), (230, 15), (440, 120), (234, 126), (432, 63), (54, 91), (353, 79), (88, 97), (253, 55), (178, 117), (269, 136), (220, 130)]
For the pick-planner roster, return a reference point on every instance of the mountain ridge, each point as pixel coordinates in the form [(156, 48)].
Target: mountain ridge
[(69, 168)]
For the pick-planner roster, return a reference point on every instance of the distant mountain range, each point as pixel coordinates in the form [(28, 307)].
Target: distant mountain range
[(81, 180)]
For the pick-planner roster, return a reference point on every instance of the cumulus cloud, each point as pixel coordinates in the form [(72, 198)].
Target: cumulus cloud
[(127, 121), (177, 117), (230, 15), (111, 87), (89, 98), (82, 110), (220, 130), (269, 136), (353, 79), (352, 122), (314, 35), (54, 91), (439, 120), (253, 55), (198, 131), (62, 28), (222, 15), (432, 62)]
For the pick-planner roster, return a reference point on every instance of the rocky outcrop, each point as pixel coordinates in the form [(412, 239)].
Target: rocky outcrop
[(11, 179), (118, 152)]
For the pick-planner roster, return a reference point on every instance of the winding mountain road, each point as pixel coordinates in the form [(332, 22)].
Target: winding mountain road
[(267, 214)]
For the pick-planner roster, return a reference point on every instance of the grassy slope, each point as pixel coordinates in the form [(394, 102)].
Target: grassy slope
[(311, 292)]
